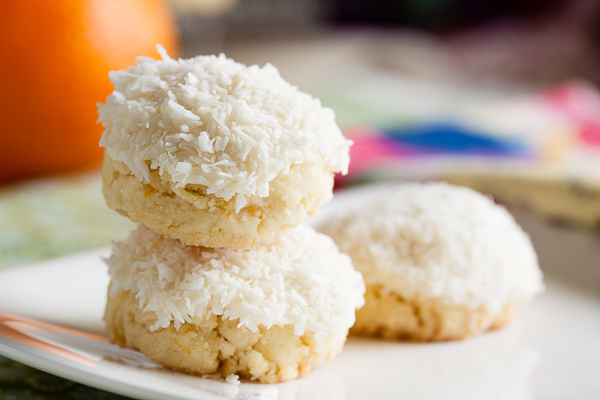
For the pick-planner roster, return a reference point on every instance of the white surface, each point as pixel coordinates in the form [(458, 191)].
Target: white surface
[(551, 352)]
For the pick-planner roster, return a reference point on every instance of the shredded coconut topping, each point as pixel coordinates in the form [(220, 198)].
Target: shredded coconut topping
[(214, 122), (426, 241), (301, 279)]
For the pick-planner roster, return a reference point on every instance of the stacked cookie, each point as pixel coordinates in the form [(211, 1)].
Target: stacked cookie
[(219, 163)]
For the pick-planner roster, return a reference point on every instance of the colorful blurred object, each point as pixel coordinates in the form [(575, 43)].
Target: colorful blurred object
[(56, 59), (540, 151), (555, 133), (375, 151), (580, 103), (450, 138)]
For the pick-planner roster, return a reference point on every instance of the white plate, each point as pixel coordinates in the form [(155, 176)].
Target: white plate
[(551, 352)]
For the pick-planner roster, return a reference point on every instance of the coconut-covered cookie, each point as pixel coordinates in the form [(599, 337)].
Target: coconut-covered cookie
[(269, 313), (440, 262), (216, 153)]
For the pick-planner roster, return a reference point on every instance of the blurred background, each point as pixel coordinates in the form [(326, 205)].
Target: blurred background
[(499, 95), (527, 42)]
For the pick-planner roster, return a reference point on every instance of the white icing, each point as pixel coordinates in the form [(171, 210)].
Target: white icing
[(437, 241), (214, 122), (301, 279)]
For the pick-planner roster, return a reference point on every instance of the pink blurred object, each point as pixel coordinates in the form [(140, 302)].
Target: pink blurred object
[(372, 151), (580, 103), (554, 132)]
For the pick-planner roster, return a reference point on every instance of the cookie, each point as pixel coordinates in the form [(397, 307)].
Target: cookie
[(387, 314), (196, 217), (214, 153), (440, 262), (269, 313)]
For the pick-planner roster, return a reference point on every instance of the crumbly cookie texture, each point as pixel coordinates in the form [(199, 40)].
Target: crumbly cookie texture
[(201, 219), (268, 313), (212, 122), (217, 345), (443, 257), (386, 314)]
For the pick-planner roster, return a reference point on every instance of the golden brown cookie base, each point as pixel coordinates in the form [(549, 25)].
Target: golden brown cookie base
[(201, 219), (216, 345), (388, 315)]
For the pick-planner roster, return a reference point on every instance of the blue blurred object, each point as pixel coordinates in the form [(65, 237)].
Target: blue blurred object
[(450, 138)]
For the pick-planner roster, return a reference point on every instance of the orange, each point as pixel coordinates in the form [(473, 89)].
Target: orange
[(56, 56)]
